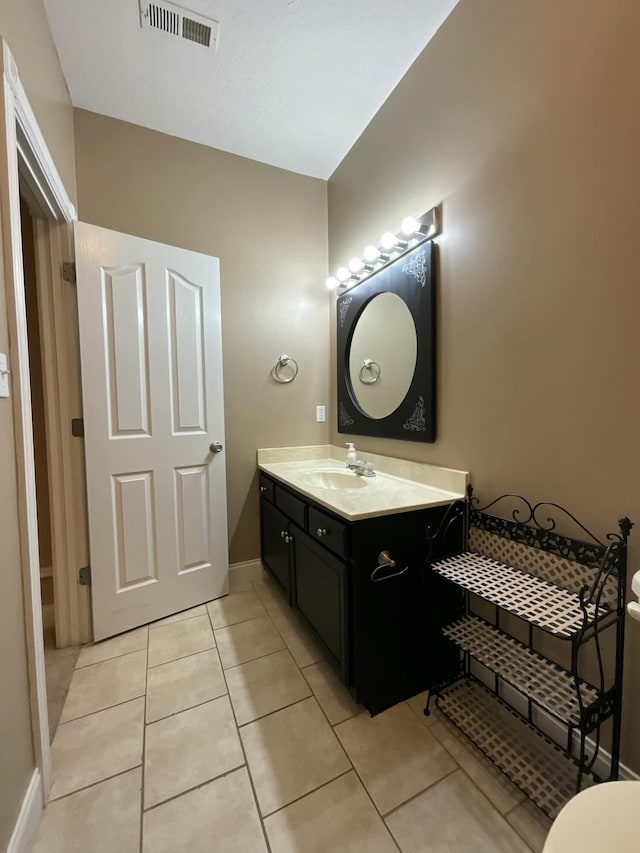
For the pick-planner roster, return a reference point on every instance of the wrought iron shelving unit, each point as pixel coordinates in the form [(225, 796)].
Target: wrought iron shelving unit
[(528, 588)]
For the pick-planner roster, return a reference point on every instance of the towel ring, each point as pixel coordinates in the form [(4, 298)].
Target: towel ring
[(283, 361), (386, 561), (374, 367)]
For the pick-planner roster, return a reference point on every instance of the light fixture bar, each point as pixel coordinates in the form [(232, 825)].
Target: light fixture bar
[(413, 231)]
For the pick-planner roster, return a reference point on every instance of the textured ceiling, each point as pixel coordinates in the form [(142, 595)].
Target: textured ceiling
[(292, 83)]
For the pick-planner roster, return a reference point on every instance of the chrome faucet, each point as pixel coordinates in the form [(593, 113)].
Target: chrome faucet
[(362, 469)]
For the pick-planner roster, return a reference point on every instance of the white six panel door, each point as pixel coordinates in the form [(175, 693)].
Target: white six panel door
[(151, 353)]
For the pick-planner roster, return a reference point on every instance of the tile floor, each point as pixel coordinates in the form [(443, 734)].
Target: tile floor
[(221, 728)]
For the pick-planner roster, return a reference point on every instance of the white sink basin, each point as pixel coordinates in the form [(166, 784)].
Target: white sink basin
[(321, 478)]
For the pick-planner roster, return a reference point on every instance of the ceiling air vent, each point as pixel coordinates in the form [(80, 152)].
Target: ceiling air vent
[(166, 17)]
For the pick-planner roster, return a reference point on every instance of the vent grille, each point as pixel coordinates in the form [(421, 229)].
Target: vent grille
[(168, 18), (195, 31), (163, 19)]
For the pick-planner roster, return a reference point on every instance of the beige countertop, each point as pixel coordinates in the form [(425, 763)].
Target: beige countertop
[(399, 485)]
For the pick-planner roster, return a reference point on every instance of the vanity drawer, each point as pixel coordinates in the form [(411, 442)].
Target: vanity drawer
[(291, 505), (329, 531), (267, 488)]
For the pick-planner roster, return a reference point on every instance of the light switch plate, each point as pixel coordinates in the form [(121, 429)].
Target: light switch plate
[(4, 375), (321, 414)]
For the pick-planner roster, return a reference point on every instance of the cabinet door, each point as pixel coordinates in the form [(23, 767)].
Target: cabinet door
[(274, 525), (319, 595), (397, 646)]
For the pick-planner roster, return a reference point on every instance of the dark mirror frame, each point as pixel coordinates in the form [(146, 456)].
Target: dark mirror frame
[(411, 277)]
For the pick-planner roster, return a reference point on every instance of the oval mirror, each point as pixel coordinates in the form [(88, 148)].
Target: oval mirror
[(382, 355)]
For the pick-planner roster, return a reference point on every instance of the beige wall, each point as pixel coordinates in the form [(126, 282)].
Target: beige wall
[(23, 24), (269, 229), (522, 119)]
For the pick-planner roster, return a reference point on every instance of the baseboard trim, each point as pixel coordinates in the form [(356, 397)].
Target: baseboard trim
[(626, 774), (25, 831), (250, 570)]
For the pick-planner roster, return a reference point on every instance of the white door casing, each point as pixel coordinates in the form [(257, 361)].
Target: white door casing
[(151, 357)]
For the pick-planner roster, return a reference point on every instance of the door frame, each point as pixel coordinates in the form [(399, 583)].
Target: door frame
[(24, 154)]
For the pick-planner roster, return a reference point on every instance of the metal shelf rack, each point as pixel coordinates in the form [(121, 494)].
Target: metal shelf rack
[(531, 577)]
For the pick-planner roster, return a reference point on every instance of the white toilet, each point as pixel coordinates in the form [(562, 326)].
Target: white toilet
[(600, 819), (605, 817)]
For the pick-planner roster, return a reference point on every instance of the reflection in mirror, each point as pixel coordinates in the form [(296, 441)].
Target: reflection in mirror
[(385, 340), (382, 356)]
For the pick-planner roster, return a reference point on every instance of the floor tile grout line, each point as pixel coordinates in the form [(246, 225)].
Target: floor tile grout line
[(353, 767), (144, 749), (275, 711), (495, 808), (181, 657), (355, 770), (348, 757), (338, 722), (153, 626), (308, 793), (385, 815), (99, 710), (246, 764), (268, 655), (192, 788), (480, 755), (238, 727), (192, 655), (478, 758), (197, 787), (312, 696), (249, 660), (514, 808), (503, 815), (88, 787), (182, 710), (108, 660)]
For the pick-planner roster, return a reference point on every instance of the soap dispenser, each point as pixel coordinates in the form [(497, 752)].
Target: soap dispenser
[(352, 456)]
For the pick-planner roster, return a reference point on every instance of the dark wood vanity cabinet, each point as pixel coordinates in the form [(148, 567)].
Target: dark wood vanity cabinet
[(378, 625), (319, 596), (275, 533)]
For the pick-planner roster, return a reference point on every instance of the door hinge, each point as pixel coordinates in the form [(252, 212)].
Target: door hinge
[(77, 427), (69, 272), (84, 576)]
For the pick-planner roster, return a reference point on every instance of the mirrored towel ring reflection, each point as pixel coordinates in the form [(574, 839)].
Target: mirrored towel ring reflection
[(369, 372), (386, 351)]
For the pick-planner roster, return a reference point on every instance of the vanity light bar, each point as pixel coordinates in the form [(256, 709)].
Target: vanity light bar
[(413, 231)]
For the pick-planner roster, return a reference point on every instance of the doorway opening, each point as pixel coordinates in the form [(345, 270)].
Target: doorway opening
[(59, 662)]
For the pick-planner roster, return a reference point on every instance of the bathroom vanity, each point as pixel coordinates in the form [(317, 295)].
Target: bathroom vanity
[(349, 553)]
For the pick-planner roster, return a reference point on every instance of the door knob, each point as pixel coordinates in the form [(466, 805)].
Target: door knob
[(215, 447)]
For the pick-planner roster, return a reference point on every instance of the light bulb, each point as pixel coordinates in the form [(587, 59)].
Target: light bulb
[(343, 274), (355, 265), (388, 240), (410, 225), (332, 282), (371, 253)]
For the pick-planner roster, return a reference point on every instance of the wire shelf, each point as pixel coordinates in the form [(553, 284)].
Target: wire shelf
[(533, 599), (533, 762), (544, 681)]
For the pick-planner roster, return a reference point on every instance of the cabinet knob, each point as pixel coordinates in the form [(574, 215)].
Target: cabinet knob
[(321, 531), (283, 534), (287, 538), (263, 490)]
